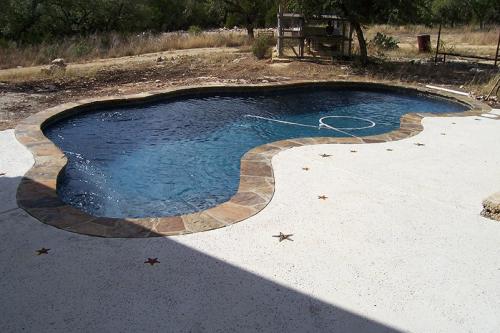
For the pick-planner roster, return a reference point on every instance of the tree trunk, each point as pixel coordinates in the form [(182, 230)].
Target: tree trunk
[(363, 52), (250, 31)]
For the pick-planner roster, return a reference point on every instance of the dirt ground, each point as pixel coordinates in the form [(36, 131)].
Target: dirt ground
[(26, 91)]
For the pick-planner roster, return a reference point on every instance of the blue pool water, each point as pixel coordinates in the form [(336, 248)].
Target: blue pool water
[(183, 155)]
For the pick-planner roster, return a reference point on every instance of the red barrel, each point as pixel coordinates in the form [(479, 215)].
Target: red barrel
[(424, 43)]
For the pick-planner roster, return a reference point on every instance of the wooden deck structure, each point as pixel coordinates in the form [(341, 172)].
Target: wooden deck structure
[(323, 35)]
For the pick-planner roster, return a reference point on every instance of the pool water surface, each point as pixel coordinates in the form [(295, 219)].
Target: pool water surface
[(183, 155)]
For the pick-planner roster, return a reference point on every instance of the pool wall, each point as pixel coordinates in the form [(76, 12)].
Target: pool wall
[(37, 193)]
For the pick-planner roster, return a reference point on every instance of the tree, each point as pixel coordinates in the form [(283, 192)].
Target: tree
[(20, 18), (249, 13), (451, 11), (481, 9), (361, 12)]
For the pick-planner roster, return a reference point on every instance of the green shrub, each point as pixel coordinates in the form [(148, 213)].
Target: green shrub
[(384, 42), (50, 52), (261, 46), (195, 30), (445, 47), (82, 48), (4, 44)]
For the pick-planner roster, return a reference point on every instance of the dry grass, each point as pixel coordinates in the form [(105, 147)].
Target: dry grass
[(483, 85), (468, 34), (464, 39), (134, 63), (112, 46)]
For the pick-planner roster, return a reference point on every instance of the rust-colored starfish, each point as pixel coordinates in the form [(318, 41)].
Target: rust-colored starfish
[(325, 155), (322, 197), (283, 237), (152, 261), (42, 251)]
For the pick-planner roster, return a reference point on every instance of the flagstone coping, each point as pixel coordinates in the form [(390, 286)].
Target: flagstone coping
[(37, 191)]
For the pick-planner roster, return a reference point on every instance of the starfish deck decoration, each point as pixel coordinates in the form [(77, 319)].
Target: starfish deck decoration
[(42, 251), (283, 237), (325, 155), (322, 197), (152, 261)]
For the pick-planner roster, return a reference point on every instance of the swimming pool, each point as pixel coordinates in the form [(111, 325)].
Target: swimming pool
[(183, 155)]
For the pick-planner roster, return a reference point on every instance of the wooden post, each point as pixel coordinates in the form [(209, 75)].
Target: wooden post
[(279, 46), (350, 40), (494, 86), (498, 47), (343, 39), (437, 46)]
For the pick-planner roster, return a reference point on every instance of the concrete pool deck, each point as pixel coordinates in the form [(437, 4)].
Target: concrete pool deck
[(398, 244)]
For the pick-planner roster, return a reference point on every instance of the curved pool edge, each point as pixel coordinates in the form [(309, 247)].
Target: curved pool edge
[(37, 193)]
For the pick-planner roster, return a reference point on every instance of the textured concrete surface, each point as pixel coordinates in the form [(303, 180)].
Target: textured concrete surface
[(399, 245), (15, 160)]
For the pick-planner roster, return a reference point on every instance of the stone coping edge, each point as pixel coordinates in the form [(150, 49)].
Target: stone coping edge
[(37, 192)]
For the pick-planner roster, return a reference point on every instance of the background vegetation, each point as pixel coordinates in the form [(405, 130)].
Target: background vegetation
[(81, 29)]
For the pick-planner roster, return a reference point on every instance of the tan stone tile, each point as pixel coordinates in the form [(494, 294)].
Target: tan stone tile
[(256, 169), (170, 226), (304, 141), (91, 229), (230, 213), (48, 149), (374, 140), (133, 228), (347, 140), (256, 184), (42, 173), (198, 222), (323, 140), (264, 148), (255, 157), (60, 217), (30, 138), (247, 199), (285, 144)]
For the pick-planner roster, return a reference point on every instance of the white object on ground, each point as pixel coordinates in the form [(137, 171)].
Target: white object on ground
[(448, 90)]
